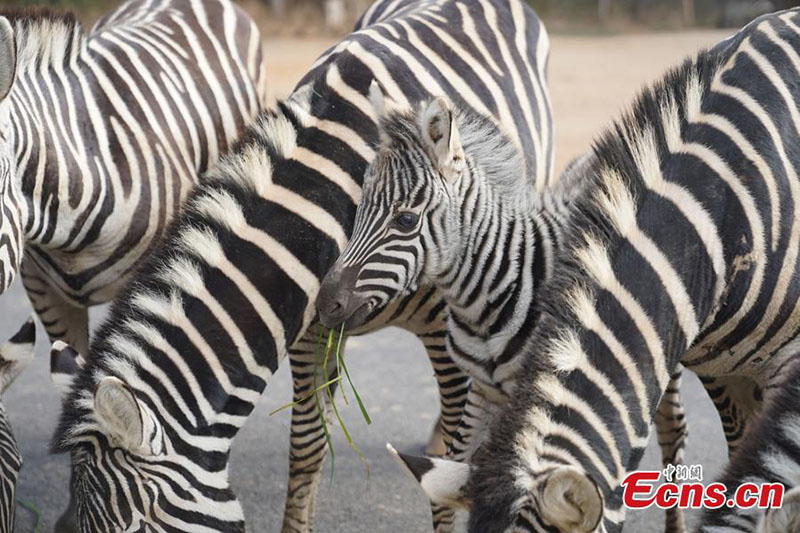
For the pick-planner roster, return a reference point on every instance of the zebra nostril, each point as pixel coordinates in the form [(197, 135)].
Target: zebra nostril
[(336, 307), (331, 311)]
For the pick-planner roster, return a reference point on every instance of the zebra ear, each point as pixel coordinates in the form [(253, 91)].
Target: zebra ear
[(17, 353), (443, 481), (377, 100), (65, 363), (784, 518), (8, 57), (571, 501), (299, 102), (125, 419), (439, 131), (382, 105)]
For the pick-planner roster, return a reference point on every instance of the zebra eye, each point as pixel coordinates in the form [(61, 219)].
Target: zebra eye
[(406, 220)]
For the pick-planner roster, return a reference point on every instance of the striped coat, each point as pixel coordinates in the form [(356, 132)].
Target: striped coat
[(682, 249), (104, 135), (191, 345)]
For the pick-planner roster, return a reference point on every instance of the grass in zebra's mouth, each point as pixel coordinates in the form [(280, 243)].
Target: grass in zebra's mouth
[(332, 351)]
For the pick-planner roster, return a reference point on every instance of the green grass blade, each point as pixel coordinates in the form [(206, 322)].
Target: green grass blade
[(347, 436), (33, 508), (332, 346), (326, 431), (304, 399), (320, 407), (361, 406), (339, 361)]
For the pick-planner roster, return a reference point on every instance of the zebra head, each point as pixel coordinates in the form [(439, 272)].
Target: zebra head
[(407, 224), (126, 474), (11, 202), (560, 498)]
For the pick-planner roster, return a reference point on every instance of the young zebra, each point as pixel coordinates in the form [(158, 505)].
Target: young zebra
[(769, 453), (14, 356), (172, 374), (443, 204), (682, 247)]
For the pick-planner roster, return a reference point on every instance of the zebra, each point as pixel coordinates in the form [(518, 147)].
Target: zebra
[(15, 355), (171, 376), (442, 204), (769, 453), (680, 249), (102, 136)]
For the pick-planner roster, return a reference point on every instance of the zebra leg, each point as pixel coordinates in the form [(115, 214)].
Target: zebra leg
[(308, 446), (471, 431), (453, 386), (670, 421), (436, 446), (63, 320), (736, 399), (66, 322), (467, 437)]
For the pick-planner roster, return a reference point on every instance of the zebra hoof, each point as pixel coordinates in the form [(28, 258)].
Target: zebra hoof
[(436, 446)]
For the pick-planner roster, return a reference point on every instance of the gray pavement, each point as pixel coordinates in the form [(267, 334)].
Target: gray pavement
[(395, 380)]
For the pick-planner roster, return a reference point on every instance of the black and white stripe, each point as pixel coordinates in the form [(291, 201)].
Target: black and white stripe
[(443, 204), (682, 248), (192, 343), (15, 354), (769, 453), (103, 135)]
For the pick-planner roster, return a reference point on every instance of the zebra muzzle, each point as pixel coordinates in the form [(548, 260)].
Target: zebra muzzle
[(338, 303)]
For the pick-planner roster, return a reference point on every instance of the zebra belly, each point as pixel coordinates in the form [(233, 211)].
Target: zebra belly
[(757, 357)]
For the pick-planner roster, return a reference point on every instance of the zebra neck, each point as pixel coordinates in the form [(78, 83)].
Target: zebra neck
[(491, 295)]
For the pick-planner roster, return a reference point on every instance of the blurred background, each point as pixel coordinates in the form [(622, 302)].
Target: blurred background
[(306, 17), (602, 53)]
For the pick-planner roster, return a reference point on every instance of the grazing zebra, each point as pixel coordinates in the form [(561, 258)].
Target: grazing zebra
[(682, 247), (102, 136), (191, 344), (769, 453), (14, 356), (442, 203)]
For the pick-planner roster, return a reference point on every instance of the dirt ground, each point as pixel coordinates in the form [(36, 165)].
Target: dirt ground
[(591, 78)]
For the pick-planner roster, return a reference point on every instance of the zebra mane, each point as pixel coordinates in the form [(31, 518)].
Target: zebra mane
[(271, 139), (617, 171), (483, 141), (624, 160), (43, 35)]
